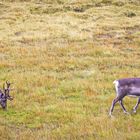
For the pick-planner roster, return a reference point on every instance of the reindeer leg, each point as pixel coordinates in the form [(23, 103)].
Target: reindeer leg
[(5, 106), (121, 103), (118, 98), (136, 106), (113, 104)]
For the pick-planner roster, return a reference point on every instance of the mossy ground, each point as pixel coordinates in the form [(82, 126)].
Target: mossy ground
[(62, 57)]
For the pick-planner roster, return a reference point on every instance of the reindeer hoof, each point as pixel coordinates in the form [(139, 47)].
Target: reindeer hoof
[(127, 113), (110, 115)]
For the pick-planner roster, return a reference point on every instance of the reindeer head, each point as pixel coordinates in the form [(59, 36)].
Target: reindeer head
[(7, 90), (5, 95)]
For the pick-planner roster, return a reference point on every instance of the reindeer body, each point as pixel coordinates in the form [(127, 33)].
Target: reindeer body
[(129, 87), (4, 95), (126, 87)]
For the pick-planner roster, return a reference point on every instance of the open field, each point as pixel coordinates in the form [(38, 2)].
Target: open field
[(63, 56)]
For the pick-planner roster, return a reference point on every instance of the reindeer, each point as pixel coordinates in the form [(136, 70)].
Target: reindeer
[(5, 95), (126, 87)]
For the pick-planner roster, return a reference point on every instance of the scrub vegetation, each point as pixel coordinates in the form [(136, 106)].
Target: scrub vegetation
[(63, 56)]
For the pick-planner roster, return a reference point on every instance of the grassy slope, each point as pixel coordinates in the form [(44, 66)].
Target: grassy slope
[(63, 57)]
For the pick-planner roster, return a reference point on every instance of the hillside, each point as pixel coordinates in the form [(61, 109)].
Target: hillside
[(63, 56)]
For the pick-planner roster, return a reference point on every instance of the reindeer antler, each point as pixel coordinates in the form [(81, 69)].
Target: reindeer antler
[(8, 84), (4, 89), (4, 86)]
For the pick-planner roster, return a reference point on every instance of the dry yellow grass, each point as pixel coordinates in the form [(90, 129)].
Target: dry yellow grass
[(62, 57)]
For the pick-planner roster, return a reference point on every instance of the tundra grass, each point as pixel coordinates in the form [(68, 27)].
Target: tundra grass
[(63, 57)]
